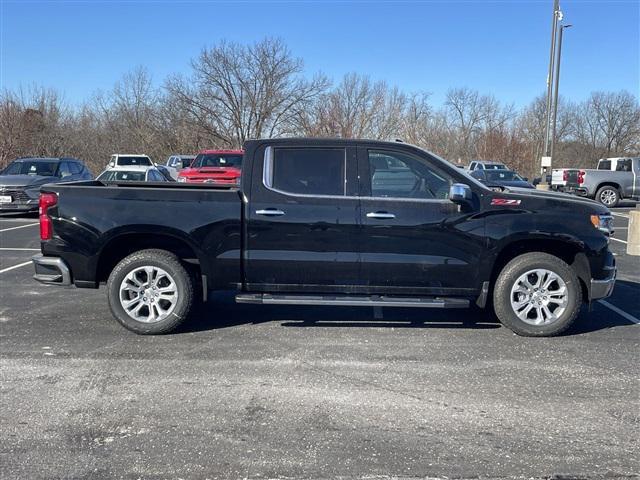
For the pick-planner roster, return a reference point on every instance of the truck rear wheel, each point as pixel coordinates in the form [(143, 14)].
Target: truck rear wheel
[(150, 292), (537, 295), (608, 196)]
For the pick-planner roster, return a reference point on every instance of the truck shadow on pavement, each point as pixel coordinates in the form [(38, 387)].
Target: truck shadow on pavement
[(222, 312)]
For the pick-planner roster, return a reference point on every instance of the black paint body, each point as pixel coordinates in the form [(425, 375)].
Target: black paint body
[(323, 244)]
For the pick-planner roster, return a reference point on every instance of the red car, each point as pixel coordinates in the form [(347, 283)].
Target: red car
[(220, 167)]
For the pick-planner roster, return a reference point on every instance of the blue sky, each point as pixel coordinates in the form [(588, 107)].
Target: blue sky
[(498, 47)]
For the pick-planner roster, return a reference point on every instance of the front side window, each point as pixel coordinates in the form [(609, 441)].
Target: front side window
[(624, 165), (397, 175), (308, 171)]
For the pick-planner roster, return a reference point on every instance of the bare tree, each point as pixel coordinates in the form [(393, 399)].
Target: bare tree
[(238, 92)]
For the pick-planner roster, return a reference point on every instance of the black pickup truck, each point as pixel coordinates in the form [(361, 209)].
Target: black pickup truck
[(330, 222)]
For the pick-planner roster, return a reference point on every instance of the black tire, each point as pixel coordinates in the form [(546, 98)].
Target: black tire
[(510, 275), (166, 261), (608, 192)]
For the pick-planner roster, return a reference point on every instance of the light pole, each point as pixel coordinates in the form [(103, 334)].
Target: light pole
[(552, 57), (555, 93)]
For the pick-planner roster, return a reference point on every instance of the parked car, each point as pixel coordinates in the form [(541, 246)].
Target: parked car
[(170, 174), (614, 179), (129, 160), (486, 165), (312, 223), (21, 180), (501, 178), (133, 173), (180, 161), (221, 167)]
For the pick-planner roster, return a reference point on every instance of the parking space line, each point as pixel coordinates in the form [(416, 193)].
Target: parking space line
[(619, 215), (619, 311), (15, 266), (617, 240), (20, 249), (21, 226)]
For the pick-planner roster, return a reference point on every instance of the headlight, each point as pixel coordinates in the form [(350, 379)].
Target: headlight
[(604, 223), (182, 179)]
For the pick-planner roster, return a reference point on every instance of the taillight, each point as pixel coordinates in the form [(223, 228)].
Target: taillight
[(581, 177), (46, 226), (565, 175)]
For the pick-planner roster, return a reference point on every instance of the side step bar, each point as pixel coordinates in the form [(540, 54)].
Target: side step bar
[(352, 300)]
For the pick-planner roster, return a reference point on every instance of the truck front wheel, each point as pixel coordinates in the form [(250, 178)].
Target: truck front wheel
[(150, 292), (537, 295), (608, 196)]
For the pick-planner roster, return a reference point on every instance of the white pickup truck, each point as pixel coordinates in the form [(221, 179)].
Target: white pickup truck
[(613, 180)]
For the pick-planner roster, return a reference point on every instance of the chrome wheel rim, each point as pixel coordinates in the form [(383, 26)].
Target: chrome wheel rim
[(608, 196), (539, 297), (148, 294)]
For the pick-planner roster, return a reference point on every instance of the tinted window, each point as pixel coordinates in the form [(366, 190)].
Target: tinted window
[(32, 167), (399, 175), (128, 161), (504, 175), (495, 166), (76, 168), (472, 166), (65, 170), (118, 176), (309, 171), (218, 160), (624, 165), (604, 165), (186, 162)]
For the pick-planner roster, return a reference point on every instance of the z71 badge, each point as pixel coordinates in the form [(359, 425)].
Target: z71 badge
[(505, 202)]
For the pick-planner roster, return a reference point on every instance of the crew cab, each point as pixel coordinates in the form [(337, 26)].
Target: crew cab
[(220, 167), (614, 179), (329, 222)]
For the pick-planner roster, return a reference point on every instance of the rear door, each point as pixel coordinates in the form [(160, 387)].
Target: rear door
[(414, 240), (302, 220)]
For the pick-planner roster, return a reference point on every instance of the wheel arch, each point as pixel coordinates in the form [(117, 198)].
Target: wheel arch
[(570, 252), (121, 244)]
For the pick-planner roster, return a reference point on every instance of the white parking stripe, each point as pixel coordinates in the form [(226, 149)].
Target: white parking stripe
[(16, 266), (21, 249), (615, 214), (617, 240), (620, 312), (21, 226)]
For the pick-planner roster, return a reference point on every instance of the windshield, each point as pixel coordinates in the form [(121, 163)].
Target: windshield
[(128, 161), (503, 176), (217, 160), (494, 166), (32, 167), (121, 176)]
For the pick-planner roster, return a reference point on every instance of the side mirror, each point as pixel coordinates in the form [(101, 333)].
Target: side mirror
[(460, 193), (526, 179), (112, 164)]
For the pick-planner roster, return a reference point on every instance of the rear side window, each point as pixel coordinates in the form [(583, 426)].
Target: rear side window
[(604, 165), (308, 171), (75, 168)]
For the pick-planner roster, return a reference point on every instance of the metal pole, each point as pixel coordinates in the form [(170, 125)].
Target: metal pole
[(552, 56), (555, 93)]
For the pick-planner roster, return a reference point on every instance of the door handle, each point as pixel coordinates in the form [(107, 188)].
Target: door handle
[(270, 212), (380, 215)]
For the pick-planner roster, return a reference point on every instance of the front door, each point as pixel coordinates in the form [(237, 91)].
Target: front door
[(413, 239), (302, 221)]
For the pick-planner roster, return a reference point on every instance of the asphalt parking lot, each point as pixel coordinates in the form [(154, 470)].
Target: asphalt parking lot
[(255, 392)]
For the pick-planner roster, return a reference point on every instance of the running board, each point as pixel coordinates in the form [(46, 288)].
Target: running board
[(352, 300)]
